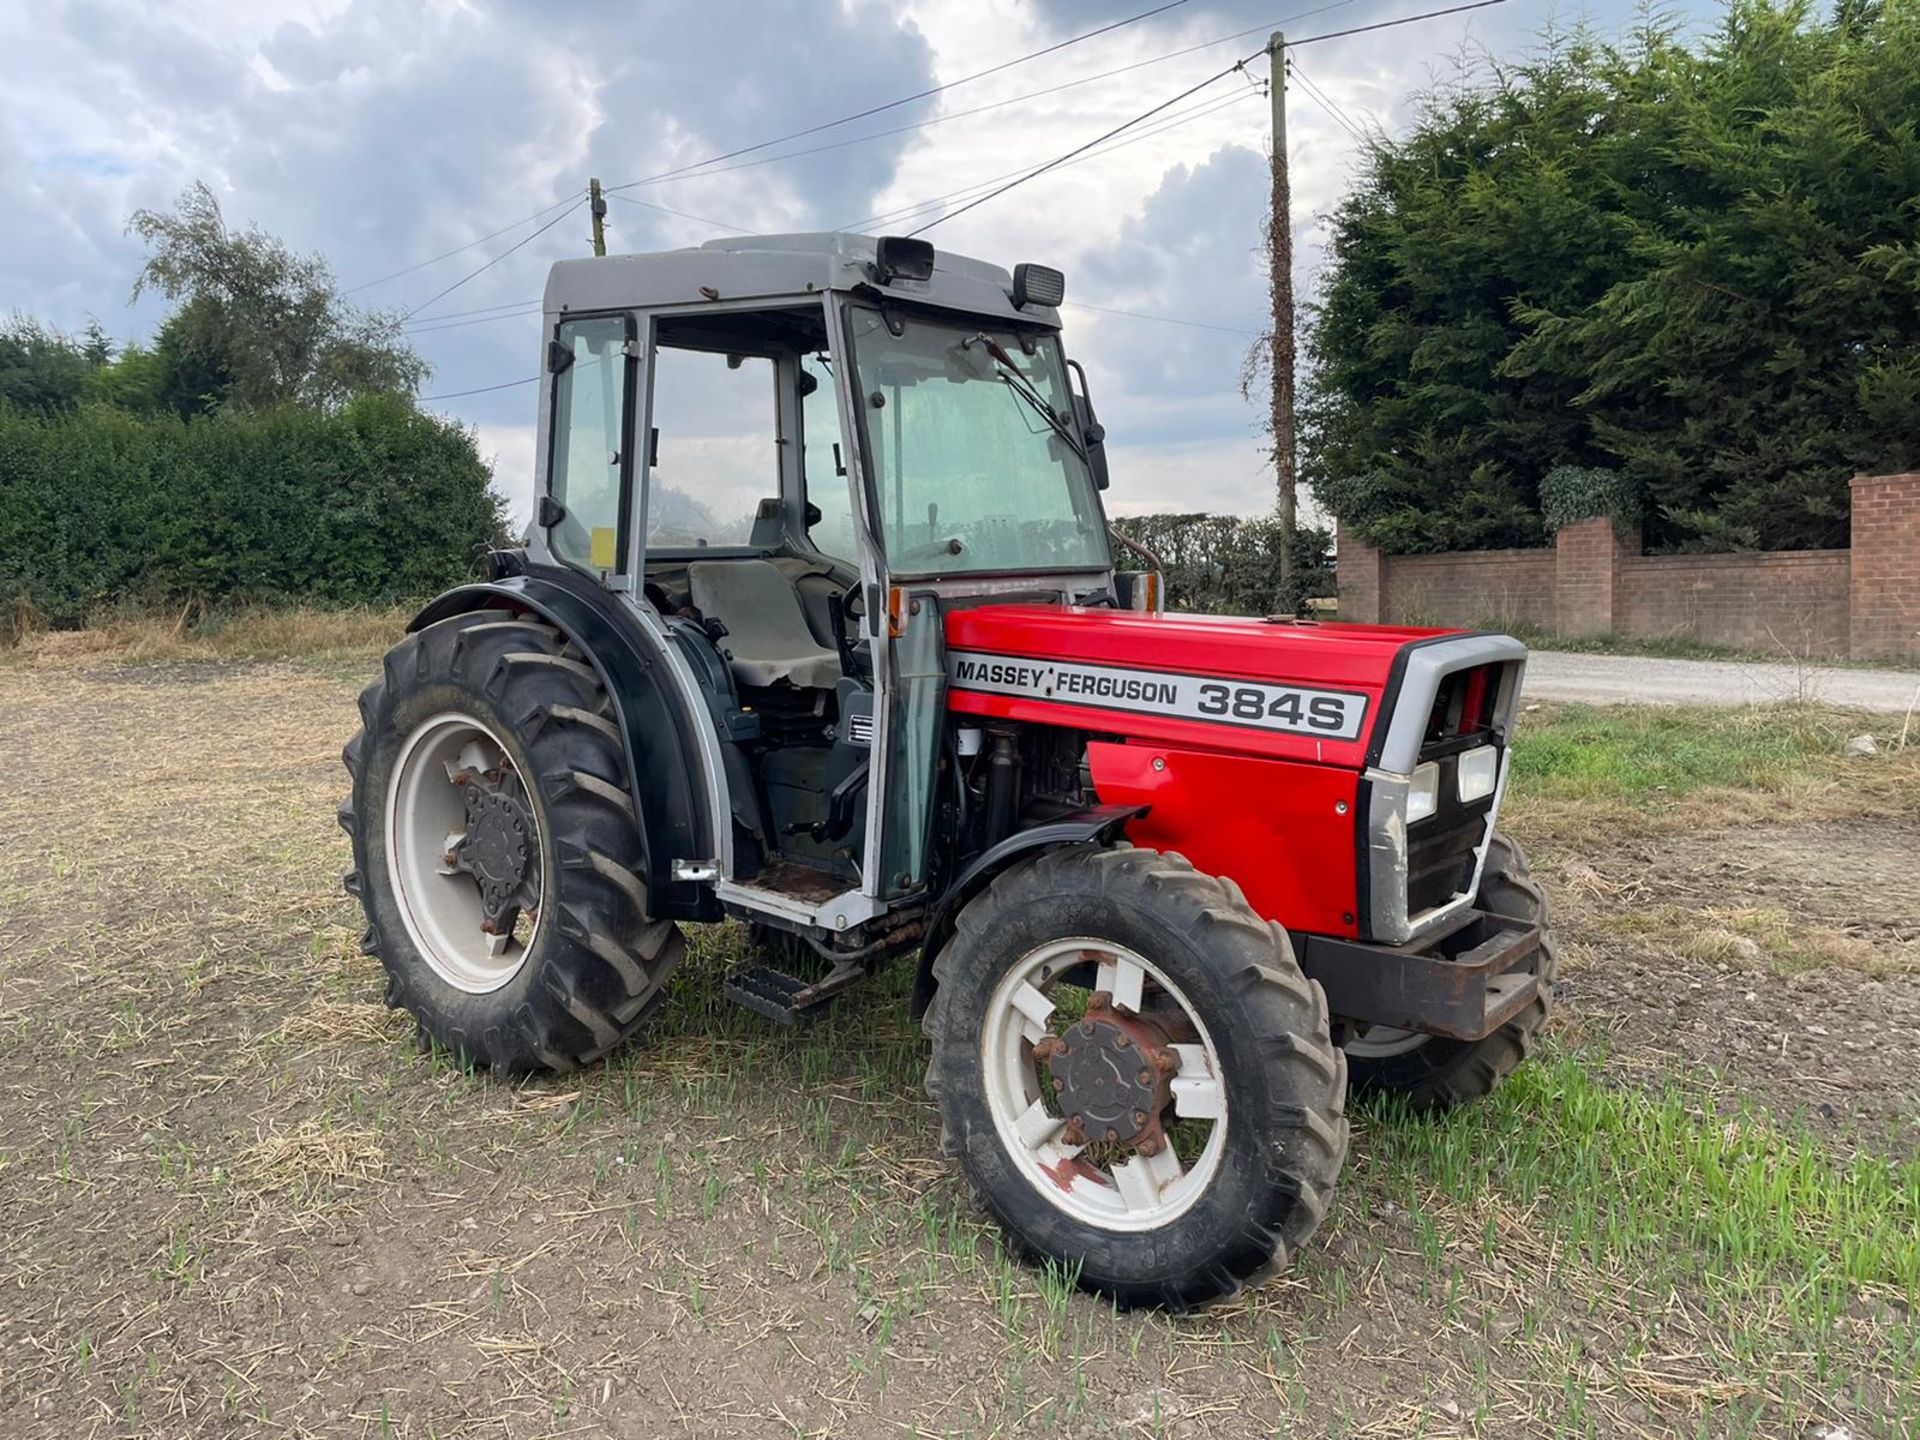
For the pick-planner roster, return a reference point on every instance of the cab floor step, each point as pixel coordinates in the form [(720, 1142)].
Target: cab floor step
[(787, 999)]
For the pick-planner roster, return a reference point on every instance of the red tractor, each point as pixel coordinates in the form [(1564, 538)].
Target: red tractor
[(818, 626)]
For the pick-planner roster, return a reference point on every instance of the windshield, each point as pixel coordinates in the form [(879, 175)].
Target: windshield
[(977, 461)]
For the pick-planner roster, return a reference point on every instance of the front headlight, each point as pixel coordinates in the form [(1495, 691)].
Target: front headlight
[(1423, 791), (1476, 772)]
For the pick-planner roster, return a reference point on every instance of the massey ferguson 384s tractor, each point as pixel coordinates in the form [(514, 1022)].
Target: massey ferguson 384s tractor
[(1170, 882)]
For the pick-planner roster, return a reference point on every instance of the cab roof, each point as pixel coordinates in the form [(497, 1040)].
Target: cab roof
[(794, 267)]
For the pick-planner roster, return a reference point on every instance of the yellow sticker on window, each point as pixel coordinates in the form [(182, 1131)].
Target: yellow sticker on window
[(600, 549)]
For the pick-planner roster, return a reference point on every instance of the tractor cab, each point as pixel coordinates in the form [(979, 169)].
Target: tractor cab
[(788, 457)]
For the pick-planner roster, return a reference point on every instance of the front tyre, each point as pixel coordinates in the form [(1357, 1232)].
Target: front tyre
[(1135, 1075), (496, 850), (1436, 1074)]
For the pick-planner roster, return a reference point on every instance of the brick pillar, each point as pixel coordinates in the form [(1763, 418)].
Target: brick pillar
[(1885, 618), (1361, 572), (1587, 564)]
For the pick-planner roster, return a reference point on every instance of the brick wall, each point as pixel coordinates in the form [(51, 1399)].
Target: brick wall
[(1498, 589), (1863, 602), (1360, 567), (1885, 600), (1587, 560), (1790, 602)]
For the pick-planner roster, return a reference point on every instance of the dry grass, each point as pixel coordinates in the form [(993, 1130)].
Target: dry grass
[(1757, 937), (248, 633), (312, 1150)]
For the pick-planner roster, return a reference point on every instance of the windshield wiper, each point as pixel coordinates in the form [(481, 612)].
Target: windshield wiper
[(1010, 375)]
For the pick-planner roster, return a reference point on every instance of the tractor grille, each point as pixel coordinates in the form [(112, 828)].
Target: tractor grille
[(1440, 848)]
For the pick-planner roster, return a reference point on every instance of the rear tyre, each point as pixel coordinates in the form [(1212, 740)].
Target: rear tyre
[(1135, 1075), (496, 850), (1436, 1074)]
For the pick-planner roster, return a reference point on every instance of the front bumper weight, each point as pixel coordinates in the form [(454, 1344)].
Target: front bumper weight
[(1463, 984)]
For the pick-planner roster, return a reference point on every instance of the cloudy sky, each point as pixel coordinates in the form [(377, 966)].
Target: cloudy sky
[(383, 134)]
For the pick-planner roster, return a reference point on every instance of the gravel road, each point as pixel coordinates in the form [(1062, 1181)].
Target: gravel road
[(1633, 679)]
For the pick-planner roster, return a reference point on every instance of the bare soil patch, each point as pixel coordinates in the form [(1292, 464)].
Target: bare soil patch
[(236, 1198), (1781, 963)]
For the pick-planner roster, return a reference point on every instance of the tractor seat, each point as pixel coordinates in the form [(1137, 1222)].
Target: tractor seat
[(767, 637)]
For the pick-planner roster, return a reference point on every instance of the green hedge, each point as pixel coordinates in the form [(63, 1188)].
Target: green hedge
[(1230, 564), (369, 505), (1572, 493)]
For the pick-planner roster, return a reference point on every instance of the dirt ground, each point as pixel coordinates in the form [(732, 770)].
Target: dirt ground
[(236, 1198)]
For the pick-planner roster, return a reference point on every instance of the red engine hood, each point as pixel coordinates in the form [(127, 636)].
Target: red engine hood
[(1304, 691)]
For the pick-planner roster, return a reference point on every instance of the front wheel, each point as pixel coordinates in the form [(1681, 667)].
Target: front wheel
[(1135, 1075)]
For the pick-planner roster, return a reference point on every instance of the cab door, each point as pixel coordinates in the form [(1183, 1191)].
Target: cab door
[(912, 703), (586, 512)]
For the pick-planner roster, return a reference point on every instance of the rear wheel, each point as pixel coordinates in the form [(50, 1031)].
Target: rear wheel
[(1135, 1075), (496, 850), (1434, 1073)]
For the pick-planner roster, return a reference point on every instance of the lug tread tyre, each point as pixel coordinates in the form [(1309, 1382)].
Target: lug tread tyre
[(1444, 1073), (1287, 1097), (599, 962)]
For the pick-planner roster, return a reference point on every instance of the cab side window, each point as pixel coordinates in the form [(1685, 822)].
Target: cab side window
[(591, 399), (825, 455), (715, 450)]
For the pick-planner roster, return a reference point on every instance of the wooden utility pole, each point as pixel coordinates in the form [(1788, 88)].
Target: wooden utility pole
[(597, 203), (1280, 244)]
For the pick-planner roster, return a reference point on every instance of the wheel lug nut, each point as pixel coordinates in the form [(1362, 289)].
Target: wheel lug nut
[(1145, 1077), (1165, 1061), (1139, 1117), (1150, 1146)]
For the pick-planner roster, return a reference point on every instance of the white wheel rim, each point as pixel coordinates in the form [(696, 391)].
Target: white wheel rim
[(1383, 1042), (1141, 1192), (426, 814)]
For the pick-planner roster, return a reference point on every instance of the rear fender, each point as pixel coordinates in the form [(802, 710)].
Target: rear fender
[(1101, 824), (666, 766)]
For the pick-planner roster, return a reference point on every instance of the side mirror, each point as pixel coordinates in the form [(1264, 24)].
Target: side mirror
[(1092, 433)]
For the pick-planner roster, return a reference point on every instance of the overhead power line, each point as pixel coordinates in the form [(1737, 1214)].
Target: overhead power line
[(697, 173), (481, 270), (460, 249), (669, 210), (1325, 101), (1389, 24), (480, 390), (1060, 160), (1173, 122), (907, 99), (531, 307), (1158, 319)]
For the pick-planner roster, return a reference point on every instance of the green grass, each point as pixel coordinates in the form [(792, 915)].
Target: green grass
[(1646, 753), (1646, 1179), (1732, 1253)]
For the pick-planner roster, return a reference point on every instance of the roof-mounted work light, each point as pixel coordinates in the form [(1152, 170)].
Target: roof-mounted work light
[(1037, 285), (897, 257)]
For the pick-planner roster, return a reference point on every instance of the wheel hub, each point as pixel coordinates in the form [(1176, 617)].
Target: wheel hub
[(1112, 1077), (497, 849)]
